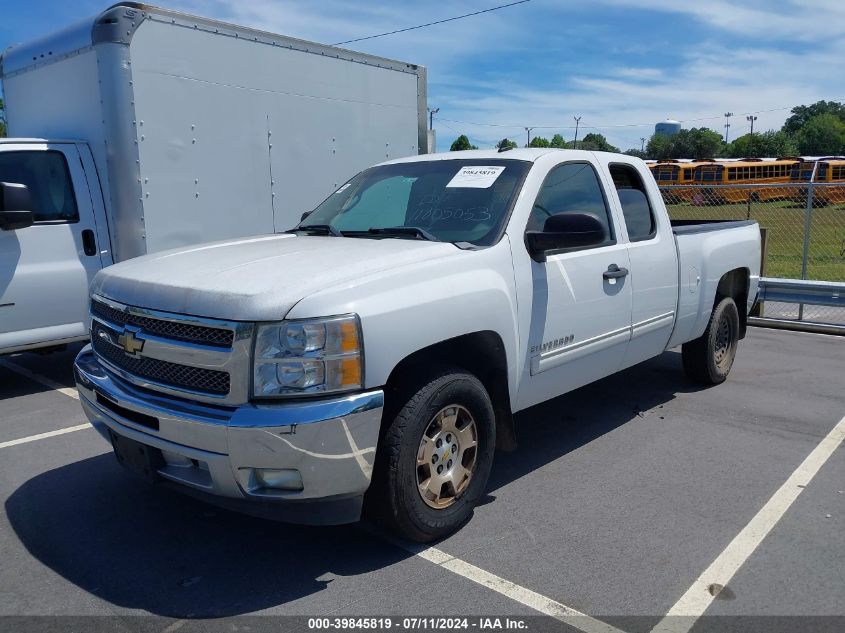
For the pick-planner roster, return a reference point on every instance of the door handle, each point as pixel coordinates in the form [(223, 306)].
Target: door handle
[(614, 272), (89, 244)]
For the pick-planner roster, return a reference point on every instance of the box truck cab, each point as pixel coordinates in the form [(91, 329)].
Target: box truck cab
[(53, 239), (179, 130)]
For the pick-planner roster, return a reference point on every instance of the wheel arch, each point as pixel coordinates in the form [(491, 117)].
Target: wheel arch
[(735, 284), (481, 354)]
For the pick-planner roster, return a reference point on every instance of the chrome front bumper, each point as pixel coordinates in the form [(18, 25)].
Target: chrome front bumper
[(213, 452)]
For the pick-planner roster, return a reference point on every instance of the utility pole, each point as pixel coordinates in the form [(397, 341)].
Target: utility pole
[(577, 121), (528, 136), (728, 116), (751, 142), (431, 113), (642, 143)]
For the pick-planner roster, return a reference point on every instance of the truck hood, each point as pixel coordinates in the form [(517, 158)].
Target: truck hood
[(255, 279)]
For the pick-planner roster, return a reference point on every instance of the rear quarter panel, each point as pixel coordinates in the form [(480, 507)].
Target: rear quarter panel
[(703, 258)]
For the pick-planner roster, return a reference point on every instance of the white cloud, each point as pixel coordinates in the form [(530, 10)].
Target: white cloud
[(641, 73), (797, 20), (754, 56), (758, 80)]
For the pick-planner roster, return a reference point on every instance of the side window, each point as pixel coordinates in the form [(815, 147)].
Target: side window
[(639, 216), (571, 187), (46, 174)]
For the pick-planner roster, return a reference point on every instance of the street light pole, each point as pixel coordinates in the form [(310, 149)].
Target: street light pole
[(431, 113), (642, 143), (751, 142), (528, 136), (577, 121), (728, 116)]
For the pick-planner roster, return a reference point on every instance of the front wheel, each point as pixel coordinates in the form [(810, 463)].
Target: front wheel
[(709, 358), (438, 455)]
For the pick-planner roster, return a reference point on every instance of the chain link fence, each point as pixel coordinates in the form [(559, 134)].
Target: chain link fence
[(803, 227)]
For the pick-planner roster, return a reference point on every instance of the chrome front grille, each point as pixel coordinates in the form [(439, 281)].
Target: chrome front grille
[(208, 360), (104, 342), (180, 331)]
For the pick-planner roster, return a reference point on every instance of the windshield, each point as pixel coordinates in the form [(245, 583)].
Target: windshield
[(450, 200)]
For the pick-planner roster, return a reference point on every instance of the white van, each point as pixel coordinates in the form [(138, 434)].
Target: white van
[(181, 130)]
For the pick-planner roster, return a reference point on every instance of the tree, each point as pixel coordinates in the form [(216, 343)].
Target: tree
[(2, 118), (505, 142), (461, 143), (636, 152), (822, 135), (694, 143), (802, 114), (770, 143), (701, 142), (659, 147), (596, 143), (559, 142), (539, 141)]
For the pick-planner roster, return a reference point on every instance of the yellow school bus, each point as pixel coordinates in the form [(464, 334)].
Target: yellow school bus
[(675, 173), (744, 172), (830, 172)]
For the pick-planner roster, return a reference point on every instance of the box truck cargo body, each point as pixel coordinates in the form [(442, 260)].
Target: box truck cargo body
[(144, 129)]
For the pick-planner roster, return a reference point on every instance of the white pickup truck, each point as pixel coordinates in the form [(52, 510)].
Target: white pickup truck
[(382, 346)]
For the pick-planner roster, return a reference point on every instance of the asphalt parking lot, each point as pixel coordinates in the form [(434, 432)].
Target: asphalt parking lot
[(626, 500)]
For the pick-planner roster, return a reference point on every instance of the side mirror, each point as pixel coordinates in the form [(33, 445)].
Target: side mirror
[(563, 231), (15, 206)]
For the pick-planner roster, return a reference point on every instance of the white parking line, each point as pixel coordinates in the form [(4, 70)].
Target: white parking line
[(41, 436), (703, 591), (515, 592), (47, 382), (524, 596)]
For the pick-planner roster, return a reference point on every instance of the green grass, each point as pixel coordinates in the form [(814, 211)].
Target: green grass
[(784, 222)]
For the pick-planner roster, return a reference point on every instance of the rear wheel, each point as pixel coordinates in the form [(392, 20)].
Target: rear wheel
[(709, 358), (438, 451)]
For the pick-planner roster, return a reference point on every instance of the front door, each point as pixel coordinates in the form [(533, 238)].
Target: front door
[(46, 268), (581, 304)]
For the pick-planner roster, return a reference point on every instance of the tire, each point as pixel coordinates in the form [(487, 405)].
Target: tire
[(708, 359), (402, 505)]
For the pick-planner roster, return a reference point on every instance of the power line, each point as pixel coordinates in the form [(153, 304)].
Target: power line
[(619, 125), (421, 26), (475, 141), (480, 124)]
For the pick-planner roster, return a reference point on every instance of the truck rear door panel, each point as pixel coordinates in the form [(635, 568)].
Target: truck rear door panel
[(653, 272)]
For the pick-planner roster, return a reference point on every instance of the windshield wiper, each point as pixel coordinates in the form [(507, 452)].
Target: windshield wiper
[(399, 231), (324, 229)]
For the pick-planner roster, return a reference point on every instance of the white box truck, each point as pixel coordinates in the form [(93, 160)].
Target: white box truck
[(144, 129)]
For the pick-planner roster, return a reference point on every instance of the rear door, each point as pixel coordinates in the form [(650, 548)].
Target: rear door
[(654, 266), (46, 268)]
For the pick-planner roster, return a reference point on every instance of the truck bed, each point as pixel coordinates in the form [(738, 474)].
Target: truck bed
[(706, 250)]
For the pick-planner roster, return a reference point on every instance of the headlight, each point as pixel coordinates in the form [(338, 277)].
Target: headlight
[(308, 357)]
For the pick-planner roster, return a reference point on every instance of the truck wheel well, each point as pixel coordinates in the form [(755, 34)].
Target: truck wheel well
[(480, 353), (734, 284)]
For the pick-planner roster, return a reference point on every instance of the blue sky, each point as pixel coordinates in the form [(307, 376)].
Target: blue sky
[(622, 65)]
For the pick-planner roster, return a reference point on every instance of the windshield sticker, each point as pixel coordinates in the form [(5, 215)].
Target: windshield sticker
[(476, 177)]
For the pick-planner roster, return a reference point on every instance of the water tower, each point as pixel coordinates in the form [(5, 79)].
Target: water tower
[(669, 127)]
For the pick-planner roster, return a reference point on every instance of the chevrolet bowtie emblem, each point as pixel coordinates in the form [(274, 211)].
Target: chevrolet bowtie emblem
[(130, 344)]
